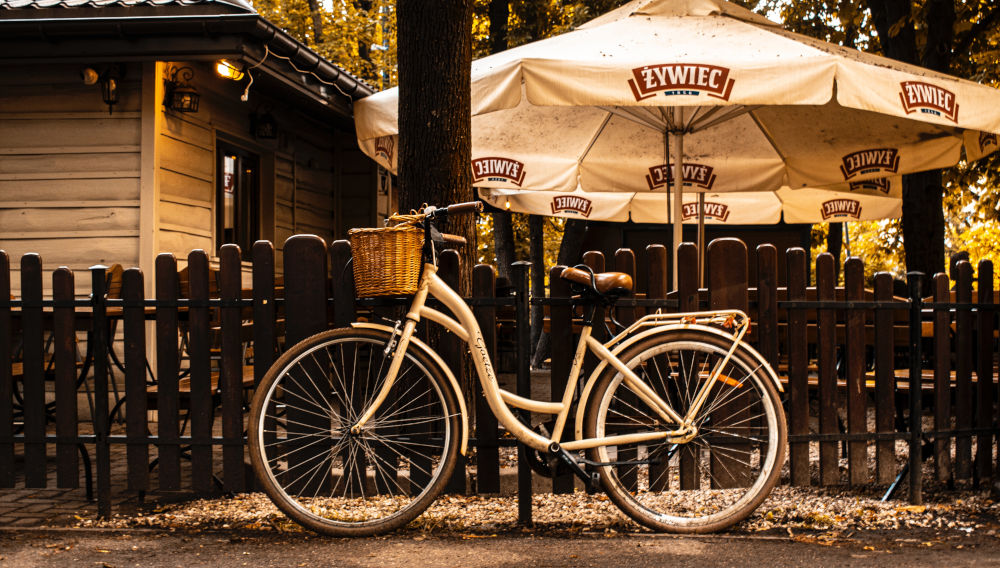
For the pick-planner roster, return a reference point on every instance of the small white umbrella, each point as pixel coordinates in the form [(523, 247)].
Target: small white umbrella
[(704, 93), (881, 199)]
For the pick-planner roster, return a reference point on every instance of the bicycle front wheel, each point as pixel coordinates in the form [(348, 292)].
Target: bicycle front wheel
[(343, 483), (721, 475)]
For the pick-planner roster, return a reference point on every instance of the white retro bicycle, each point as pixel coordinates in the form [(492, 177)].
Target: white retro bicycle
[(355, 431)]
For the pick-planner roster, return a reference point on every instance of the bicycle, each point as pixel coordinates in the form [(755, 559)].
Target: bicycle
[(355, 431)]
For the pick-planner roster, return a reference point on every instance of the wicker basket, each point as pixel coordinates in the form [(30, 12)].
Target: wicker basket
[(386, 261)]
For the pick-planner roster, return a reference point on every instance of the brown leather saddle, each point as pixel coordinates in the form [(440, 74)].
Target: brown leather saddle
[(604, 283)]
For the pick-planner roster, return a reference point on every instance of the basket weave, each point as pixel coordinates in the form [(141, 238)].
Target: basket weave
[(386, 260)]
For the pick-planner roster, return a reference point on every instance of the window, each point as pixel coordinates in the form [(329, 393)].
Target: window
[(237, 198)]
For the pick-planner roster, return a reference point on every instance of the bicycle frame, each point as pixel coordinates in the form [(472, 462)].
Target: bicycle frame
[(500, 401)]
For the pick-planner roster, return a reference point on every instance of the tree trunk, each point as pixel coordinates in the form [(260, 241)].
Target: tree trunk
[(536, 240), (572, 242), (923, 218), (435, 53), (316, 12), (503, 243), (834, 244)]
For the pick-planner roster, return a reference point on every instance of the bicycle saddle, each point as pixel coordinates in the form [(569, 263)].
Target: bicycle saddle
[(613, 283)]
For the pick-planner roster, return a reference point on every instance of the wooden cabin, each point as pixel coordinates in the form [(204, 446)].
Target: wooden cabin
[(120, 138)]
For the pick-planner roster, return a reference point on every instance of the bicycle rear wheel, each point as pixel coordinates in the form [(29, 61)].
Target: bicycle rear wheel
[(341, 483), (720, 476)]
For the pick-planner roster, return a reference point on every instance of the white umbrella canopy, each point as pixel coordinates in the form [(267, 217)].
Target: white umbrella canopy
[(867, 201), (701, 92)]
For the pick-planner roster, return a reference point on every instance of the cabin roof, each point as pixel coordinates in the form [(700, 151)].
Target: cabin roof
[(39, 31), (222, 5)]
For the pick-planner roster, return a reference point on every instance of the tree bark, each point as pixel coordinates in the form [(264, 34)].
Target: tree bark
[(316, 12), (923, 218), (434, 42), (536, 241), (835, 244), (572, 242)]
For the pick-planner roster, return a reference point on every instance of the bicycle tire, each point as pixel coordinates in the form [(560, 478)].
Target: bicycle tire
[(336, 482), (720, 476)]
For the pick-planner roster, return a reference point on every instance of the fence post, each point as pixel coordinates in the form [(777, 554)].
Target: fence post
[(519, 277), (33, 380), (915, 457), (200, 372), (167, 394), (99, 335), (628, 475), (826, 340), (857, 401), (487, 447), (64, 345), (885, 381), (6, 379), (231, 368), (134, 333), (984, 439)]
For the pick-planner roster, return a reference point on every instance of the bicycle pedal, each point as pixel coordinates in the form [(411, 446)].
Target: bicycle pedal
[(594, 486)]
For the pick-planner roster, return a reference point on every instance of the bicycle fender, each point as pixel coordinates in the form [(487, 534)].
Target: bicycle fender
[(444, 367), (592, 379)]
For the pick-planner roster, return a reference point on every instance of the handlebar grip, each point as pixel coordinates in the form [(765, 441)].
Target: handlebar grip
[(453, 239), (468, 207)]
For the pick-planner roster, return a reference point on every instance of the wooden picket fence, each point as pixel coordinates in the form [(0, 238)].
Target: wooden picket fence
[(877, 367)]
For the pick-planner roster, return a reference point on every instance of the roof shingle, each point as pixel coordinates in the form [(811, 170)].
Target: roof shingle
[(41, 4)]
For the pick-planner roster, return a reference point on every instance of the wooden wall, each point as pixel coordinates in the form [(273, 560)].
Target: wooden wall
[(69, 171), (82, 187)]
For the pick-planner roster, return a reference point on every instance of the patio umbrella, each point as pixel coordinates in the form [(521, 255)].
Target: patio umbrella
[(704, 96)]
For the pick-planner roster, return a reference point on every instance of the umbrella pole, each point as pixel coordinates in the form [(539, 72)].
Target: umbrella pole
[(678, 219)]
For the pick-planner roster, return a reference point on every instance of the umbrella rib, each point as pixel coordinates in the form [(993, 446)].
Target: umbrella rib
[(735, 112), (629, 115), (593, 139)]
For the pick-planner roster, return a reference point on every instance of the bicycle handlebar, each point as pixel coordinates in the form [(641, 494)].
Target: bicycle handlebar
[(467, 207)]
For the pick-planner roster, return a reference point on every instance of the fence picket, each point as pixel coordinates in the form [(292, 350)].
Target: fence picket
[(562, 352), (231, 369), (727, 289), (201, 409), (687, 295), (826, 337), (984, 371), (942, 378), (6, 378), (487, 447), (798, 372), (64, 354), (885, 382), (33, 380), (857, 399), (964, 412), (167, 395), (767, 303), (134, 339)]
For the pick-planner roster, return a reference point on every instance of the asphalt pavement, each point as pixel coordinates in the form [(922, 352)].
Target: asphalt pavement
[(224, 549)]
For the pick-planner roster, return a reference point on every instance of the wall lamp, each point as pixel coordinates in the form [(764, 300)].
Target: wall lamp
[(228, 70), (179, 95), (108, 81)]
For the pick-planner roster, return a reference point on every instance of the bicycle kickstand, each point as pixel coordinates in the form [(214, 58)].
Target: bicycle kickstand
[(591, 480)]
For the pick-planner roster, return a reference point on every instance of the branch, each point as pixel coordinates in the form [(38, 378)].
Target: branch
[(964, 42)]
